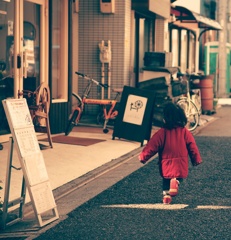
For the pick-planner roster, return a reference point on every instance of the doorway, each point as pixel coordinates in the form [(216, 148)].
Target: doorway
[(24, 51)]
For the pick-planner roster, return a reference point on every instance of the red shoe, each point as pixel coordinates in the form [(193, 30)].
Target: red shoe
[(174, 185), (167, 199)]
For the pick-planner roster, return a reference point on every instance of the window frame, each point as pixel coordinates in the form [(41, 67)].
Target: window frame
[(59, 90), (190, 61)]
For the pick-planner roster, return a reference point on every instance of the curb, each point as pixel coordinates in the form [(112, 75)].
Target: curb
[(83, 180), (80, 181)]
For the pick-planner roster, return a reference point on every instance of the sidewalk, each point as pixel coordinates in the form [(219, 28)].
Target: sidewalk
[(65, 162)]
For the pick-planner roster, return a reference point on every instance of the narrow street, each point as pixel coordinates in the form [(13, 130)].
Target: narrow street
[(131, 207), (65, 68)]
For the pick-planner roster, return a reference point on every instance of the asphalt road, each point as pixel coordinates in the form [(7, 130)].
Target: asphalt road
[(130, 207)]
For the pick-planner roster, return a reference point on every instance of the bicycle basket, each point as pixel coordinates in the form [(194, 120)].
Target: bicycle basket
[(178, 88)]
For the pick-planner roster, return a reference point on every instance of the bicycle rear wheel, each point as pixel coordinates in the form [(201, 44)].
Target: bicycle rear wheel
[(196, 98), (191, 112), (71, 122)]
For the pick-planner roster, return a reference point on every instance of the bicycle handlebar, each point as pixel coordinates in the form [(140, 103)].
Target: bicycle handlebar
[(81, 74), (93, 80)]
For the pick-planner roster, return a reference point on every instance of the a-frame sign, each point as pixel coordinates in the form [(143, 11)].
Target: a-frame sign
[(31, 160), (134, 120)]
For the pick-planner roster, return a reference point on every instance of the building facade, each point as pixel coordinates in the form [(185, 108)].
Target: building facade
[(48, 40)]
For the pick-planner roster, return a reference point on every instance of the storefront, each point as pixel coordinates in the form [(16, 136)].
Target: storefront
[(34, 50), (46, 41), (150, 29), (188, 33), (24, 48)]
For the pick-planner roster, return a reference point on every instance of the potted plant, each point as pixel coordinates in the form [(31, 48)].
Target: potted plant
[(2, 70), (2, 75)]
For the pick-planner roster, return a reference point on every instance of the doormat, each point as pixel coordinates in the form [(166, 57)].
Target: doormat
[(81, 128), (73, 140)]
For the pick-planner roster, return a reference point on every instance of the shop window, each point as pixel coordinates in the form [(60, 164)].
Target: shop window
[(174, 47), (192, 52), (59, 53), (183, 47), (183, 54)]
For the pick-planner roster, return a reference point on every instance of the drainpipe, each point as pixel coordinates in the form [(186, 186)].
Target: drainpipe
[(137, 57), (222, 11)]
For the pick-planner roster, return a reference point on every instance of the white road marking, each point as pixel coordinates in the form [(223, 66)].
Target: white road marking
[(214, 207), (165, 206), (149, 206)]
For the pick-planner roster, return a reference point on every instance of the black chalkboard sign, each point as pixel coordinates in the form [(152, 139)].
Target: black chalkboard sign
[(134, 120)]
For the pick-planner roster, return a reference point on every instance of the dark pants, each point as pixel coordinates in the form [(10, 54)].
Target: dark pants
[(166, 183)]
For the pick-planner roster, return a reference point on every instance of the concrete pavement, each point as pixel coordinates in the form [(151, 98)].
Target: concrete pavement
[(66, 163), (132, 208)]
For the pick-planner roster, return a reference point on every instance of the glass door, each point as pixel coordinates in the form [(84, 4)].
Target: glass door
[(27, 44), (24, 48), (33, 44), (6, 40)]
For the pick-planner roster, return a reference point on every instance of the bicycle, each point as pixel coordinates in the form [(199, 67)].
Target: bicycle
[(39, 104), (191, 101), (108, 111)]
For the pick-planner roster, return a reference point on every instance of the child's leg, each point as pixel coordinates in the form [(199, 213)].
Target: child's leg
[(180, 180), (166, 197), (166, 184), (174, 186)]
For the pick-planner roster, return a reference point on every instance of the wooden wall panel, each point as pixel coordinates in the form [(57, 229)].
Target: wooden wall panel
[(58, 117)]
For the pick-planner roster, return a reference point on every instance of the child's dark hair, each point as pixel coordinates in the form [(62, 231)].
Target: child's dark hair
[(174, 116)]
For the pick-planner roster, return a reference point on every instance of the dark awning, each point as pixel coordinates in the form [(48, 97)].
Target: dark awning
[(188, 19), (171, 70), (151, 8)]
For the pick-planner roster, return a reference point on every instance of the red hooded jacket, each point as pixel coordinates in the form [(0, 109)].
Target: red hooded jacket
[(173, 147)]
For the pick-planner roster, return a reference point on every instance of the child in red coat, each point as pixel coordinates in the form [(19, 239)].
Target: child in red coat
[(173, 143)]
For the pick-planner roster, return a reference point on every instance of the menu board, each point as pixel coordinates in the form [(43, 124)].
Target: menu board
[(27, 141), (30, 156), (43, 197), (19, 113), (35, 169)]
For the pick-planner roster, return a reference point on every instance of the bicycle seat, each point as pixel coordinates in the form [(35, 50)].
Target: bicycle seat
[(195, 76), (191, 77)]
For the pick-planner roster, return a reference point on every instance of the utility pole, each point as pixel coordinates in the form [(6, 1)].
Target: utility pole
[(229, 22), (222, 56)]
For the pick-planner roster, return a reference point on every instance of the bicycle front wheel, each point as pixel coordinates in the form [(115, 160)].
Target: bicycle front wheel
[(191, 112), (71, 122), (76, 101)]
